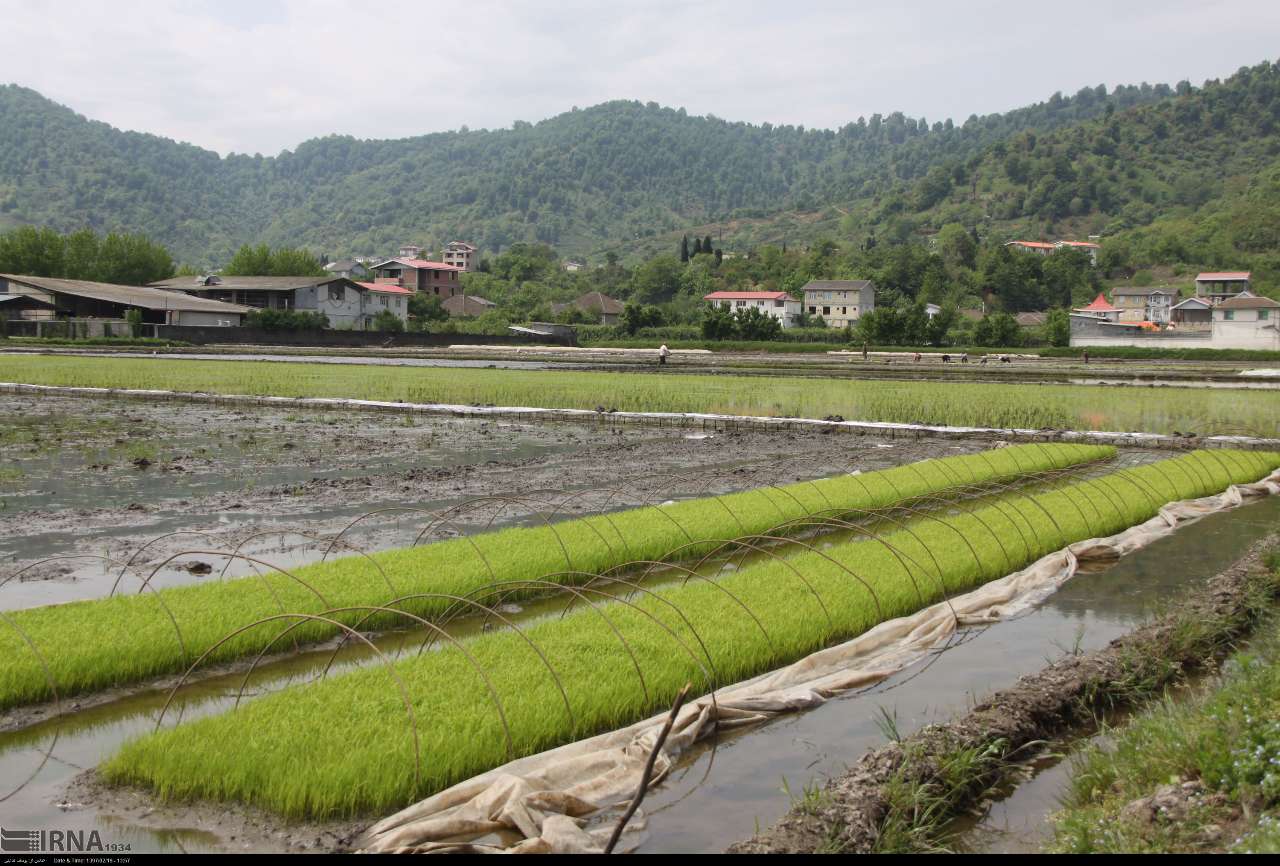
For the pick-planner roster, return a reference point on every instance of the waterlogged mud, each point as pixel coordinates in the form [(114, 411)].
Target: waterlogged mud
[(101, 480)]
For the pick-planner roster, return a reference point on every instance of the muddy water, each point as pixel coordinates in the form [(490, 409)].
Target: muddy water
[(719, 795)]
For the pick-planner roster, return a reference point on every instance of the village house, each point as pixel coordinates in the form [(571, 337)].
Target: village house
[(839, 302), (1191, 313), (1242, 322), (1038, 247), (1218, 286), (347, 304), (1086, 246), (420, 275), (1144, 305), (468, 305), (609, 310), (349, 268), (1100, 308), (84, 299), (779, 305), (1043, 249), (460, 255), (1248, 322)]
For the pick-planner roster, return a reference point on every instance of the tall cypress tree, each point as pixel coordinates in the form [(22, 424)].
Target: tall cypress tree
[(706, 245), (697, 246), (684, 249)]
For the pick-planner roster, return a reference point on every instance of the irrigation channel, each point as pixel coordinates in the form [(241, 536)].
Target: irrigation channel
[(718, 791)]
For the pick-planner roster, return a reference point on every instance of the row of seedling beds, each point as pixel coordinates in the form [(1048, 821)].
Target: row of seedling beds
[(56, 651), (379, 737), (985, 404)]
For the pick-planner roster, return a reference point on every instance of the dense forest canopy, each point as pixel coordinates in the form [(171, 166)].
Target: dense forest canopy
[(607, 177)]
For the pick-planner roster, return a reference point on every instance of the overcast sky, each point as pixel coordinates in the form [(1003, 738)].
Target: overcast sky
[(263, 75)]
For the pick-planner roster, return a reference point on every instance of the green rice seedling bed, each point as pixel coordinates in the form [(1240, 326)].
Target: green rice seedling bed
[(1064, 407), (346, 745), (132, 637)]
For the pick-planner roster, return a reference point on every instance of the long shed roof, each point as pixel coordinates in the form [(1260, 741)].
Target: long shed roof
[(131, 296)]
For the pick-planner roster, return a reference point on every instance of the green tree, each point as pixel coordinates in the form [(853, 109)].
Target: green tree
[(263, 261), (753, 323), (387, 322), (718, 324), (424, 309), (1057, 328)]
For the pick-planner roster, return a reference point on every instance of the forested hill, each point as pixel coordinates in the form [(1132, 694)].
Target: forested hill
[(601, 177)]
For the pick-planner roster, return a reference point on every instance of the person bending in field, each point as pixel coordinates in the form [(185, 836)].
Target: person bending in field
[(663, 353)]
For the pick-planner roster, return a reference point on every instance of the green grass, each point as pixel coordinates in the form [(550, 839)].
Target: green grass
[(1227, 740), (343, 746), (1067, 407), (129, 638)]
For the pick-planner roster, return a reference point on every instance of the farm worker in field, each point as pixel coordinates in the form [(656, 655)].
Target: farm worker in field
[(917, 357), (663, 354), (864, 351), (964, 358), (1086, 356)]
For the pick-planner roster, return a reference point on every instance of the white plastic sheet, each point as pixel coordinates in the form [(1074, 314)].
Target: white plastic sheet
[(543, 799)]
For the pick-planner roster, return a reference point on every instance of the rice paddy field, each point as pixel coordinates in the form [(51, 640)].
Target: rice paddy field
[(375, 739), (1068, 407), (65, 649), (331, 691)]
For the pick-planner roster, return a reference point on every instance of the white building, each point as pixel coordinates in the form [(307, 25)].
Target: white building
[(1247, 322), (779, 305)]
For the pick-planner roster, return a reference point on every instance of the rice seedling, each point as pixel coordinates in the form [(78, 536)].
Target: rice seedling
[(1066, 407), (379, 737), (123, 639)]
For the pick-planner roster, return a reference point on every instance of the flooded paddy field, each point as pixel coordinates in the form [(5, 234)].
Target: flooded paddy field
[(100, 477)]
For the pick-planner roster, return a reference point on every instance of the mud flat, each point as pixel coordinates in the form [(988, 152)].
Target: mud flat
[(95, 477)]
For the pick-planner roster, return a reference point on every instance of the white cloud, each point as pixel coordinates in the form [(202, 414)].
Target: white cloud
[(262, 75)]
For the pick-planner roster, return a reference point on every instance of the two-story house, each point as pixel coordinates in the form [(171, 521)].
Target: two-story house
[(1218, 286), (461, 255), (839, 302), (1144, 305), (419, 275), (779, 305)]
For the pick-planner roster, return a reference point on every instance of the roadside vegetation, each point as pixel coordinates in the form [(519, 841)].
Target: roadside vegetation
[(130, 637), (351, 744), (1062, 407), (1194, 775)]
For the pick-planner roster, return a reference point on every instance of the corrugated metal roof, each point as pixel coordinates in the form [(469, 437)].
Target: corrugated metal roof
[(1132, 290), (1247, 303), (1223, 275), (132, 296), (247, 284), (420, 264), (747, 296)]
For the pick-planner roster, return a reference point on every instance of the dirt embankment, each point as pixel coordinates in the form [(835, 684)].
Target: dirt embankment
[(854, 812)]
